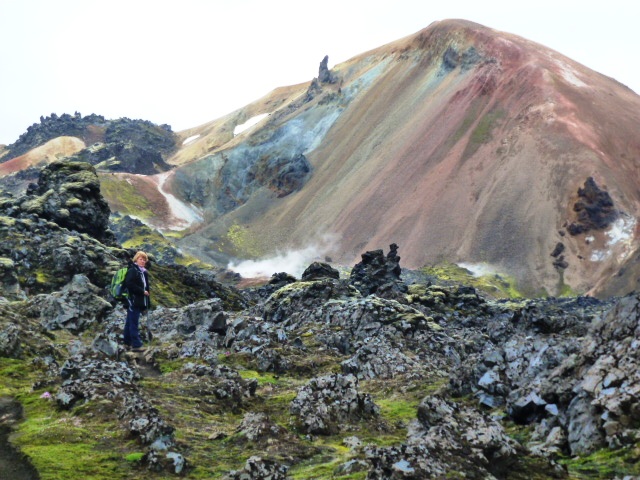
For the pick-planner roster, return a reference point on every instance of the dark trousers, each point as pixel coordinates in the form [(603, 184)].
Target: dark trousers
[(132, 327)]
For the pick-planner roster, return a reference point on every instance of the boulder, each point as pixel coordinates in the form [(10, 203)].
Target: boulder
[(327, 404), (68, 193), (379, 274), (76, 307), (257, 468)]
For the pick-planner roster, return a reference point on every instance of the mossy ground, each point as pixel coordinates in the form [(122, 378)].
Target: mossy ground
[(88, 442), (606, 464), (125, 197), (240, 243), (494, 285)]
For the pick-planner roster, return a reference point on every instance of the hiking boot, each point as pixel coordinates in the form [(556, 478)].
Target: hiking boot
[(138, 349)]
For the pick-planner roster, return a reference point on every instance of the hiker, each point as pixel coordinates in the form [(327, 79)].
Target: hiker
[(137, 285)]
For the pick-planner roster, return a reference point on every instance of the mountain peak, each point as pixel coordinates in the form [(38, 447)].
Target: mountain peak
[(459, 142)]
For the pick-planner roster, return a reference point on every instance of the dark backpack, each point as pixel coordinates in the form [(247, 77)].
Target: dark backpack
[(117, 289)]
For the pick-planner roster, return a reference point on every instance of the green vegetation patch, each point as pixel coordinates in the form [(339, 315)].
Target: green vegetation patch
[(12, 375), (242, 242), (605, 463), (494, 285), (64, 446), (71, 461), (125, 196)]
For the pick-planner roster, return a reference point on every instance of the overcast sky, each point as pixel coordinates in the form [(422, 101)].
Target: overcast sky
[(186, 62)]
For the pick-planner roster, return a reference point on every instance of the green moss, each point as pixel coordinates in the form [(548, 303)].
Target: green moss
[(605, 463), (292, 287), (495, 285), (12, 375), (125, 197), (165, 294), (168, 366), (36, 205), (394, 409), (520, 433), (43, 277), (315, 468), (7, 221), (65, 461), (243, 243), (6, 263), (73, 202), (134, 457), (262, 378), (63, 446)]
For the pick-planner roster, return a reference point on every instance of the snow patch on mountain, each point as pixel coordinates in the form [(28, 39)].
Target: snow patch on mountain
[(184, 214), (620, 240), (249, 123)]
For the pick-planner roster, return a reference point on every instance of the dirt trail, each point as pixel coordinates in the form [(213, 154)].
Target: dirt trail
[(13, 465)]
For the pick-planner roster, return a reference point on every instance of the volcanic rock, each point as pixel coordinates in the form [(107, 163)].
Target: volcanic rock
[(68, 193)]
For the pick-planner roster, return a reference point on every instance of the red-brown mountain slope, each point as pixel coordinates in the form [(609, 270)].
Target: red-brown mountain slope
[(458, 143)]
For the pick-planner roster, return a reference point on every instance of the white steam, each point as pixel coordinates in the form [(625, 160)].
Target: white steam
[(479, 269), (293, 262)]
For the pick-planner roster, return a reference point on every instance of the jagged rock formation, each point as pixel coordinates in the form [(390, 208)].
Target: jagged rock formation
[(123, 157), (379, 274), (329, 404), (324, 74), (68, 194), (594, 209), (546, 365), (52, 127), (122, 145)]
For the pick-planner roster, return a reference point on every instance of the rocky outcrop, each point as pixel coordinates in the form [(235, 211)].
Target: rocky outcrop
[(451, 437), (318, 271), (324, 74), (78, 306), (282, 175), (596, 389), (54, 126), (44, 257), (122, 145), (473, 366), (594, 209), (123, 156), (328, 404), (380, 275), (68, 194), (257, 468), (244, 174)]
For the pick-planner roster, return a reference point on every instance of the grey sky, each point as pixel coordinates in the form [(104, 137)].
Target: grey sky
[(188, 62)]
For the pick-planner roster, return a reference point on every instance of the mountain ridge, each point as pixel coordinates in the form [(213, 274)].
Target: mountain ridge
[(484, 133), (459, 142), (373, 372)]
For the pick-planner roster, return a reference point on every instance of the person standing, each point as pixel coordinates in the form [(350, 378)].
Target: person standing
[(137, 285)]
